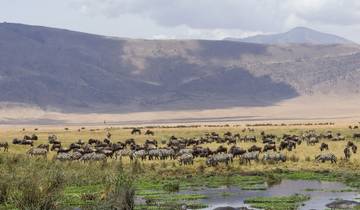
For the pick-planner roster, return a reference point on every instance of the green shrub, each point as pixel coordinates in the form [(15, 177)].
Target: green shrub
[(172, 186), (120, 194), (39, 190)]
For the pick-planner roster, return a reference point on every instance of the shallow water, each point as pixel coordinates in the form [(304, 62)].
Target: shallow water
[(324, 193)]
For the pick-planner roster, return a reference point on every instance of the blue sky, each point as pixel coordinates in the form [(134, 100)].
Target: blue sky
[(187, 19)]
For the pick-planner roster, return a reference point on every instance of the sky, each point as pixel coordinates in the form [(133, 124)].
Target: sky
[(187, 19)]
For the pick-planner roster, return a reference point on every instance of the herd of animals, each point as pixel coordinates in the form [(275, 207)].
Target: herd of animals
[(185, 150)]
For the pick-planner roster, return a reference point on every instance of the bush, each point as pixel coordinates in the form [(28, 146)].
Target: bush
[(38, 190), (120, 194), (172, 186), (5, 185)]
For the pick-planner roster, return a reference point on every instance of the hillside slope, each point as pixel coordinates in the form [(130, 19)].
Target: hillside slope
[(298, 35), (78, 72)]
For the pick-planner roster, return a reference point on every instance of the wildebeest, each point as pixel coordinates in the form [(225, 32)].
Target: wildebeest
[(214, 160), (236, 151), (136, 131), (186, 159), (23, 142), (352, 146), (347, 153), (326, 157), (108, 135), (268, 147), (53, 139), (324, 146), (356, 135), (254, 148), (94, 141), (5, 145), (129, 141), (55, 147), (221, 149), (154, 142), (81, 142), (149, 132), (199, 151), (26, 137), (74, 146), (107, 141), (37, 152), (33, 137), (230, 140)]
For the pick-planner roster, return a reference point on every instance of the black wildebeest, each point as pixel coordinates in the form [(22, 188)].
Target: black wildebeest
[(236, 151), (324, 146), (352, 146), (149, 132), (129, 141), (221, 149), (268, 147), (254, 148), (136, 131), (347, 153), (356, 135), (5, 145)]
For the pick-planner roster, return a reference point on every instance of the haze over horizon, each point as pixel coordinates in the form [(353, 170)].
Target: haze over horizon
[(187, 19)]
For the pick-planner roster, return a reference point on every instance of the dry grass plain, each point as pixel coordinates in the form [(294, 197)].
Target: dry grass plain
[(302, 158), (152, 180)]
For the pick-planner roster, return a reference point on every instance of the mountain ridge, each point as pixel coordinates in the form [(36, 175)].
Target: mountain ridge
[(80, 72), (298, 35)]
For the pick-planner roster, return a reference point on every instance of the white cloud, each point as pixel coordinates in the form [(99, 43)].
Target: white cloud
[(249, 15), (193, 19)]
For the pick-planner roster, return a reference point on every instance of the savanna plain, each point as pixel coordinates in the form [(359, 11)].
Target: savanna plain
[(199, 157)]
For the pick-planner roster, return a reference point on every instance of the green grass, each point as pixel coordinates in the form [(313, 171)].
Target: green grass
[(277, 203)]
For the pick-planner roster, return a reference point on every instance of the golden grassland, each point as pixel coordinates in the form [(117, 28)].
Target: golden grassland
[(70, 184), (302, 158)]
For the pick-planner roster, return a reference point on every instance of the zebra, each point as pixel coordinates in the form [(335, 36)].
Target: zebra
[(219, 158), (250, 156), (139, 154), (93, 157), (123, 153), (186, 159), (274, 157), (37, 152), (326, 157)]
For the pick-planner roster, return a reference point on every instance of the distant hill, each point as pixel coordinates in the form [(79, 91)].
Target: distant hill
[(299, 35), (79, 72)]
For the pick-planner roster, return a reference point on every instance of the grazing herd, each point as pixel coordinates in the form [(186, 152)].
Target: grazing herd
[(186, 150)]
